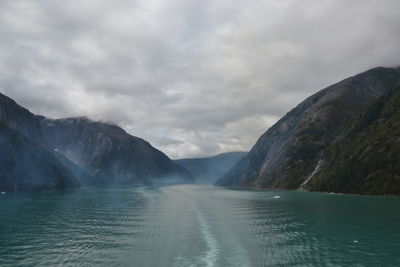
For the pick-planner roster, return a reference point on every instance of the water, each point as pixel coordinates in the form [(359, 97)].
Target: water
[(193, 225)]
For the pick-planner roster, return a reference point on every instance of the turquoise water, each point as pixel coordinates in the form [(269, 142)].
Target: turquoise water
[(193, 225)]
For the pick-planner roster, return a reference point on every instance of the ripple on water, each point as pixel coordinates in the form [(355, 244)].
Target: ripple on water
[(197, 226)]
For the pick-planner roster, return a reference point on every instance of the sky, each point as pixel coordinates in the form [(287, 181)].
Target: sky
[(193, 77)]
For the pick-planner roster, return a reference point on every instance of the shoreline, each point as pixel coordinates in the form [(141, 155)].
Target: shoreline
[(303, 190)]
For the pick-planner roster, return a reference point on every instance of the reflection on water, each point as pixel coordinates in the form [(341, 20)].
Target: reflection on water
[(189, 225)]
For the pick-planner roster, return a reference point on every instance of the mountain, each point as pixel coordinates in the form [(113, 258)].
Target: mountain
[(19, 118), (294, 151), (25, 163), (367, 160), (208, 170), (109, 154), (39, 153)]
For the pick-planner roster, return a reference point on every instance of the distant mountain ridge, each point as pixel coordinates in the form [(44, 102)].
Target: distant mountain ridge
[(40, 153), (108, 153), (292, 153), (210, 169)]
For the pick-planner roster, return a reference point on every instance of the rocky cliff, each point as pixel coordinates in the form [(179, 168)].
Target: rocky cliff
[(25, 162), (19, 118), (39, 153), (367, 160), (108, 153), (292, 151)]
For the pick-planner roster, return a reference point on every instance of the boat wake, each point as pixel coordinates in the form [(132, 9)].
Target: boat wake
[(210, 257)]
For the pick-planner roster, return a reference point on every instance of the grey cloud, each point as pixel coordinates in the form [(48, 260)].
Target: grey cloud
[(193, 77)]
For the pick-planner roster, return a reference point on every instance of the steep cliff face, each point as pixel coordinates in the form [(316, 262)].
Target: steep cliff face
[(19, 118), (292, 150), (208, 170), (367, 160), (109, 154), (25, 165), (38, 153)]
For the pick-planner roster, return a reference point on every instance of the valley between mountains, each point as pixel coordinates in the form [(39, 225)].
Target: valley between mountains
[(343, 139)]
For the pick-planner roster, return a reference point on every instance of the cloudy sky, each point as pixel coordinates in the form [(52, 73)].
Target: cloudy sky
[(193, 77)]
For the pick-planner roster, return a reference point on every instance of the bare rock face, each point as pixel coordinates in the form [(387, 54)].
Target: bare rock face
[(109, 154), (291, 150)]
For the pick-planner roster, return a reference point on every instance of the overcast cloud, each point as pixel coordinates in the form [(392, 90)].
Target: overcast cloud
[(193, 77)]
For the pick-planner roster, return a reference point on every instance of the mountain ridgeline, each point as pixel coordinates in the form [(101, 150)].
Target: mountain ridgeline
[(343, 139), (209, 170), (108, 154), (38, 153)]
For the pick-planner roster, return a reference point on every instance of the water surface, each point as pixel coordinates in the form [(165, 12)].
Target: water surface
[(197, 225)]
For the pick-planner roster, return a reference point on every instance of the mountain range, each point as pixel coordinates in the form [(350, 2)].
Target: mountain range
[(208, 170), (343, 139), (38, 153)]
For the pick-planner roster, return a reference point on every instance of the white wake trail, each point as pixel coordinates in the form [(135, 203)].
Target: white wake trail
[(210, 257)]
